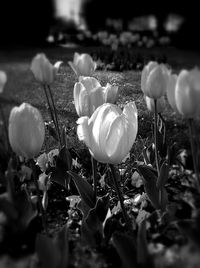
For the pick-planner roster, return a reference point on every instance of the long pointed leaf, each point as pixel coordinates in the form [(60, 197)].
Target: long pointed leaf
[(84, 188)]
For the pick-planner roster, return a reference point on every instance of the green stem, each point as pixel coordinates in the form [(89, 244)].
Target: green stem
[(5, 127), (192, 143), (156, 137), (55, 113), (121, 200), (50, 108), (94, 175), (41, 209)]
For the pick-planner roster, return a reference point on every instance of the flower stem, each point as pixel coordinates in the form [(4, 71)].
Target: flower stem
[(41, 210), (50, 108), (156, 137), (94, 175), (192, 143), (121, 200), (55, 113)]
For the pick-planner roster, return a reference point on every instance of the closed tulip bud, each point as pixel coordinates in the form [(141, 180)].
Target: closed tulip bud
[(151, 105), (110, 93), (26, 130), (88, 95), (3, 80), (83, 64), (43, 71), (187, 93), (154, 80), (109, 133), (171, 91)]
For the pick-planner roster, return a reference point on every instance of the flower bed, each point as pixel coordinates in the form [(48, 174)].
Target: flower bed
[(115, 194)]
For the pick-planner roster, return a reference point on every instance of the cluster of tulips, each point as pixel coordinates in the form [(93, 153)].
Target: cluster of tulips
[(107, 131)]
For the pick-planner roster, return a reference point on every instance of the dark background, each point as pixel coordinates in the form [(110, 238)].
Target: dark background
[(27, 22)]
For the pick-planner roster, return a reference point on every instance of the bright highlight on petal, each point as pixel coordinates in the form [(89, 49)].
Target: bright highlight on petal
[(109, 133)]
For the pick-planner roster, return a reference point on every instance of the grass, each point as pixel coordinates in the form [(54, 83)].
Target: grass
[(22, 87)]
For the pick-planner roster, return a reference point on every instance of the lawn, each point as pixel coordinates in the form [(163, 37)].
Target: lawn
[(21, 86)]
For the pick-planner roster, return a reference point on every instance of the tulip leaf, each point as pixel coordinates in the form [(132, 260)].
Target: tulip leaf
[(47, 251), (7, 207), (102, 206), (84, 208), (87, 235), (62, 243), (92, 228), (26, 210), (63, 164), (143, 256), (84, 188), (126, 249), (149, 176), (163, 176), (110, 226)]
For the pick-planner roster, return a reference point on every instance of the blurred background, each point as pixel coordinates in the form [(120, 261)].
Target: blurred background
[(92, 22)]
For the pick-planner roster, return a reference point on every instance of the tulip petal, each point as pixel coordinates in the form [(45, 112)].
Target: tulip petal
[(145, 72), (83, 130), (113, 140), (96, 98), (76, 58), (57, 66), (81, 99), (156, 83), (111, 93), (89, 82), (187, 93), (3, 80), (171, 91), (131, 115), (71, 64), (26, 130)]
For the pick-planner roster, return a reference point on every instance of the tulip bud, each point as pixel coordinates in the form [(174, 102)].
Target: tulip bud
[(88, 95), (109, 133), (3, 80), (43, 71), (111, 93), (83, 64), (187, 93), (154, 80), (171, 91), (151, 105), (26, 130)]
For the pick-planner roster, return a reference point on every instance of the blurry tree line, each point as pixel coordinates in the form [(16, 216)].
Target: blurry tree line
[(28, 22), (25, 22)]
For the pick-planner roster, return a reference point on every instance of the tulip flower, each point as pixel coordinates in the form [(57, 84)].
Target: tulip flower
[(151, 104), (83, 64), (171, 91), (187, 93), (43, 71), (109, 133), (3, 80), (89, 95), (26, 130), (154, 80)]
